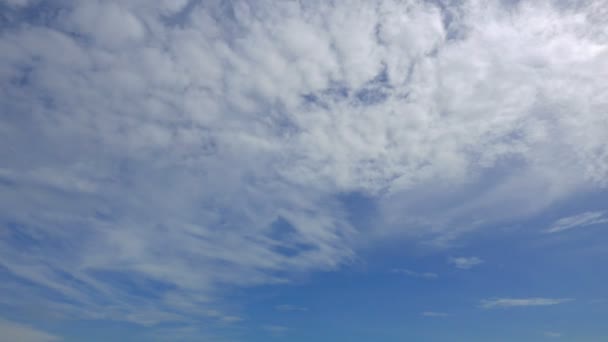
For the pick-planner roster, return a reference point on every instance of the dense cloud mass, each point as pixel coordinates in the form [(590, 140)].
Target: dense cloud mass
[(186, 147)]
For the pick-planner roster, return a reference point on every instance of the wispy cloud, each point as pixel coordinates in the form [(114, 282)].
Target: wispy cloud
[(413, 274), (223, 317), (521, 302), (275, 329), (552, 334), (579, 221), (465, 263), (598, 301), (288, 308), (13, 331), (434, 314)]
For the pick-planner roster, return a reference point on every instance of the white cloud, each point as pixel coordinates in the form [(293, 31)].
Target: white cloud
[(434, 314), (413, 274), (578, 221), (107, 23), (13, 331), (193, 152), (521, 302), (465, 263)]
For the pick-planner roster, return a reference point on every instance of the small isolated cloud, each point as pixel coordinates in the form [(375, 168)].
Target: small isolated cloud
[(413, 274), (588, 218), (465, 263), (552, 334), (13, 331), (521, 302), (231, 319), (222, 317), (275, 329), (290, 308), (434, 314)]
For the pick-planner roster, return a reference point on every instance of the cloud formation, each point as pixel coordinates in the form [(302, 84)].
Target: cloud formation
[(521, 302), (589, 218), (290, 308), (157, 154), (410, 273), (465, 263), (13, 331), (275, 329)]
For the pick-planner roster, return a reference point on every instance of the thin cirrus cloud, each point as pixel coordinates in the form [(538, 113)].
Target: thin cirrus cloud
[(13, 331), (585, 219), (553, 334), (290, 308), (275, 329), (195, 147), (465, 263), (434, 314), (413, 274), (521, 302)]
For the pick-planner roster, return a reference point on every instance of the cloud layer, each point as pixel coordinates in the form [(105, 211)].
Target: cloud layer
[(13, 331), (158, 153), (521, 302)]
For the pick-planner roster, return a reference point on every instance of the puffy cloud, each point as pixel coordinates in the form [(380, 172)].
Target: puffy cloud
[(182, 148), (521, 302), (106, 23)]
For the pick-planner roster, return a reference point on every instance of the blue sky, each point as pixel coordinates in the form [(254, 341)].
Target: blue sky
[(303, 171)]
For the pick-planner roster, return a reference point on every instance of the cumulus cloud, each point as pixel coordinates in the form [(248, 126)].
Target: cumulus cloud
[(521, 302), (191, 147), (465, 263), (13, 331), (589, 218)]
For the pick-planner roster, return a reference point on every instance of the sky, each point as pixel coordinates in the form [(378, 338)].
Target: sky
[(244, 171)]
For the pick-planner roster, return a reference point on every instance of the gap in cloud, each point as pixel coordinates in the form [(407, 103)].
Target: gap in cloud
[(373, 92), (287, 241), (336, 93), (36, 12), (361, 209), (180, 14)]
